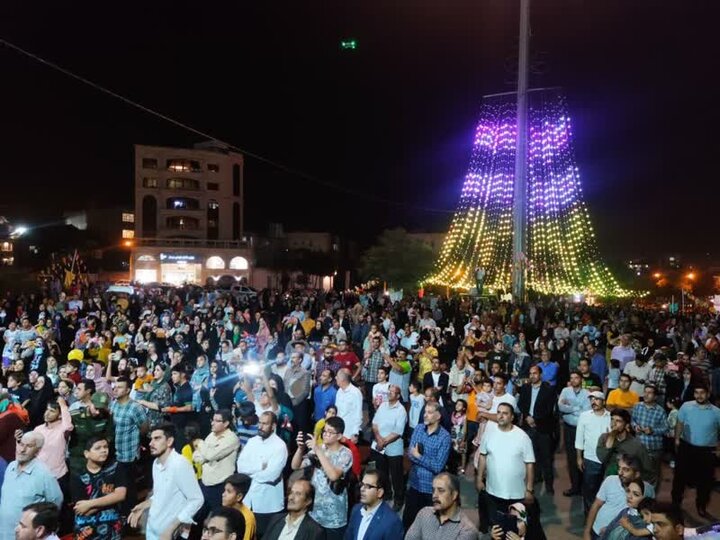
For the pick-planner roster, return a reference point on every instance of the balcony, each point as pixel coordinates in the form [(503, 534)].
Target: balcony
[(191, 243)]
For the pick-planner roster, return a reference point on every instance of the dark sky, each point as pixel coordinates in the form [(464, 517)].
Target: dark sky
[(393, 119)]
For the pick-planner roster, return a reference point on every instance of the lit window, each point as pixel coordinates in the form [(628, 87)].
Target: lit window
[(215, 263), (128, 217), (6, 247), (213, 186), (183, 183), (149, 163), (128, 233), (238, 263), (213, 205), (150, 182), (183, 165)]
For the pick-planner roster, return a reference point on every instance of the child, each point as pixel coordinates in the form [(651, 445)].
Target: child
[(192, 435), (381, 388), (614, 375), (630, 516), (417, 402), (645, 508), (236, 487), (459, 428), (320, 424), (484, 401), (674, 405)]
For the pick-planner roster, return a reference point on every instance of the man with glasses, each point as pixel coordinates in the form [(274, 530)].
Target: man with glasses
[(296, 523), (27, 481), (224, 524), (388, 426), (373, 519), (217, 455), (263, 459)]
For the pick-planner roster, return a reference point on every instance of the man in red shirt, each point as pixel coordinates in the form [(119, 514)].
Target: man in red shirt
[(348, 359)]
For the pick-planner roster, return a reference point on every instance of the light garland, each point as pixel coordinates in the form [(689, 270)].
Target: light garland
[(562, 254)]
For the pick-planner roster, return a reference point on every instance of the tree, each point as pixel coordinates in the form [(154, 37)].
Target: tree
[(398, 259)]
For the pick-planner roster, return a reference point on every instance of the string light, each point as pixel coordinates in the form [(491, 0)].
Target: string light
[(562, 254)]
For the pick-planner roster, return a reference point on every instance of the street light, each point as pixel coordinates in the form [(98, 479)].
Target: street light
[(691, 275), (657, 275)]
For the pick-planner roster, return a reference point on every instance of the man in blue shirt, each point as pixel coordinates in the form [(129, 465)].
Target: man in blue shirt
[(549, 369), (573, 400), (598, 362), (428, 453), (696, 437), (323, 395)]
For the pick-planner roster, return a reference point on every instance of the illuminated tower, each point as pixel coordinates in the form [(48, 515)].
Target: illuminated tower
[(561, 252)]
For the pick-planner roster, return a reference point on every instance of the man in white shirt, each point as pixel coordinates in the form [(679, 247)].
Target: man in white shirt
[(500, 381), (388, 426), (176, 495), (506, 453), (263, 459), (591, 424), (623, 352), (348, 401), (217, 455), (639, 372)]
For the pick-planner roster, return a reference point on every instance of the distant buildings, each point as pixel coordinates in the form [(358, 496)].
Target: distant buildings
[(188, 219)]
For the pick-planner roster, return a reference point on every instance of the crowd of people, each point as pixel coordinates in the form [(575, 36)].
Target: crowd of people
[(187, 413)]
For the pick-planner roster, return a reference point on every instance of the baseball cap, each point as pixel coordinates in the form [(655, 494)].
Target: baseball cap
[(597, 394)]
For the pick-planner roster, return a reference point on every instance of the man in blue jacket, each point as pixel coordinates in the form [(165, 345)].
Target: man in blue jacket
[(372, 518)]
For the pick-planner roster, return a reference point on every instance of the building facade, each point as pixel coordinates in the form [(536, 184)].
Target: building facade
[(188, 220)]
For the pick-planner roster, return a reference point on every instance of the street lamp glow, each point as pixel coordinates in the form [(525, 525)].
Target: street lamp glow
[(19, 231), (691, 275), (657, 275)]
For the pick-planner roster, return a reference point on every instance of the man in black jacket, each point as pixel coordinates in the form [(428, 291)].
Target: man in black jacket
[(537, 406), (301, 497), (439, 380)]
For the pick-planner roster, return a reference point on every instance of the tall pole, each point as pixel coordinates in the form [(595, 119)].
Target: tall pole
[(520, 194)]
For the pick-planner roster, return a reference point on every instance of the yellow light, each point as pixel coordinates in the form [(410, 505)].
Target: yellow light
[(691, 275)]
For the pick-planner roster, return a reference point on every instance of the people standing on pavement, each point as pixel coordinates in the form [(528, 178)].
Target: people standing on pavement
[(591, 425), (428, 453), (650, 424), (506, 455), (621, 440), (573, 401), (696, 438)]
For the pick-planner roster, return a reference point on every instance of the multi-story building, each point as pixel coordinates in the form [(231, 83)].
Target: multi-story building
[(188, 215)]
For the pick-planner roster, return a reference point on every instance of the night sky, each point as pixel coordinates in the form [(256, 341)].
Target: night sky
[(392, 120)]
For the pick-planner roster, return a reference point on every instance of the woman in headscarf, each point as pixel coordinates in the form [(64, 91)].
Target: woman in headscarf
[(198, 381), (158, 395), (40, 395)]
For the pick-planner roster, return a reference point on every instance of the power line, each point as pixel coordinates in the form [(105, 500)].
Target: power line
[(187, 127)]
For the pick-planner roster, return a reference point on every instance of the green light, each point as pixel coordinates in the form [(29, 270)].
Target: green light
[(348, 45)]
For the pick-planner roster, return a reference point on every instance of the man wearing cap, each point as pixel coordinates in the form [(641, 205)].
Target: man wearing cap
[(591, 424)]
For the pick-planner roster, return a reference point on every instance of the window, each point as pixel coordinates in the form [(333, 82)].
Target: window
[(183, 183), (236, 221), (183, 165), (128, 233), (128, 217), (215, 263), (236, 180), (213, 186), (213, 167), (150, 182), (182, 203), (149, 216), (238, 263), (149, 163), (6, 247), (213, 220), (182, 223)]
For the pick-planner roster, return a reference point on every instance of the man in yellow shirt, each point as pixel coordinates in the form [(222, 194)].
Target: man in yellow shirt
[(622, 397), (236, 487)]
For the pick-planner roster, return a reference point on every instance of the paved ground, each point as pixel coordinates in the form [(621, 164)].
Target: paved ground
[(562, 517)]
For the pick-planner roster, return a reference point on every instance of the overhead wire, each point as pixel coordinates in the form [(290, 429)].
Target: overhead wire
[(277, 165)]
